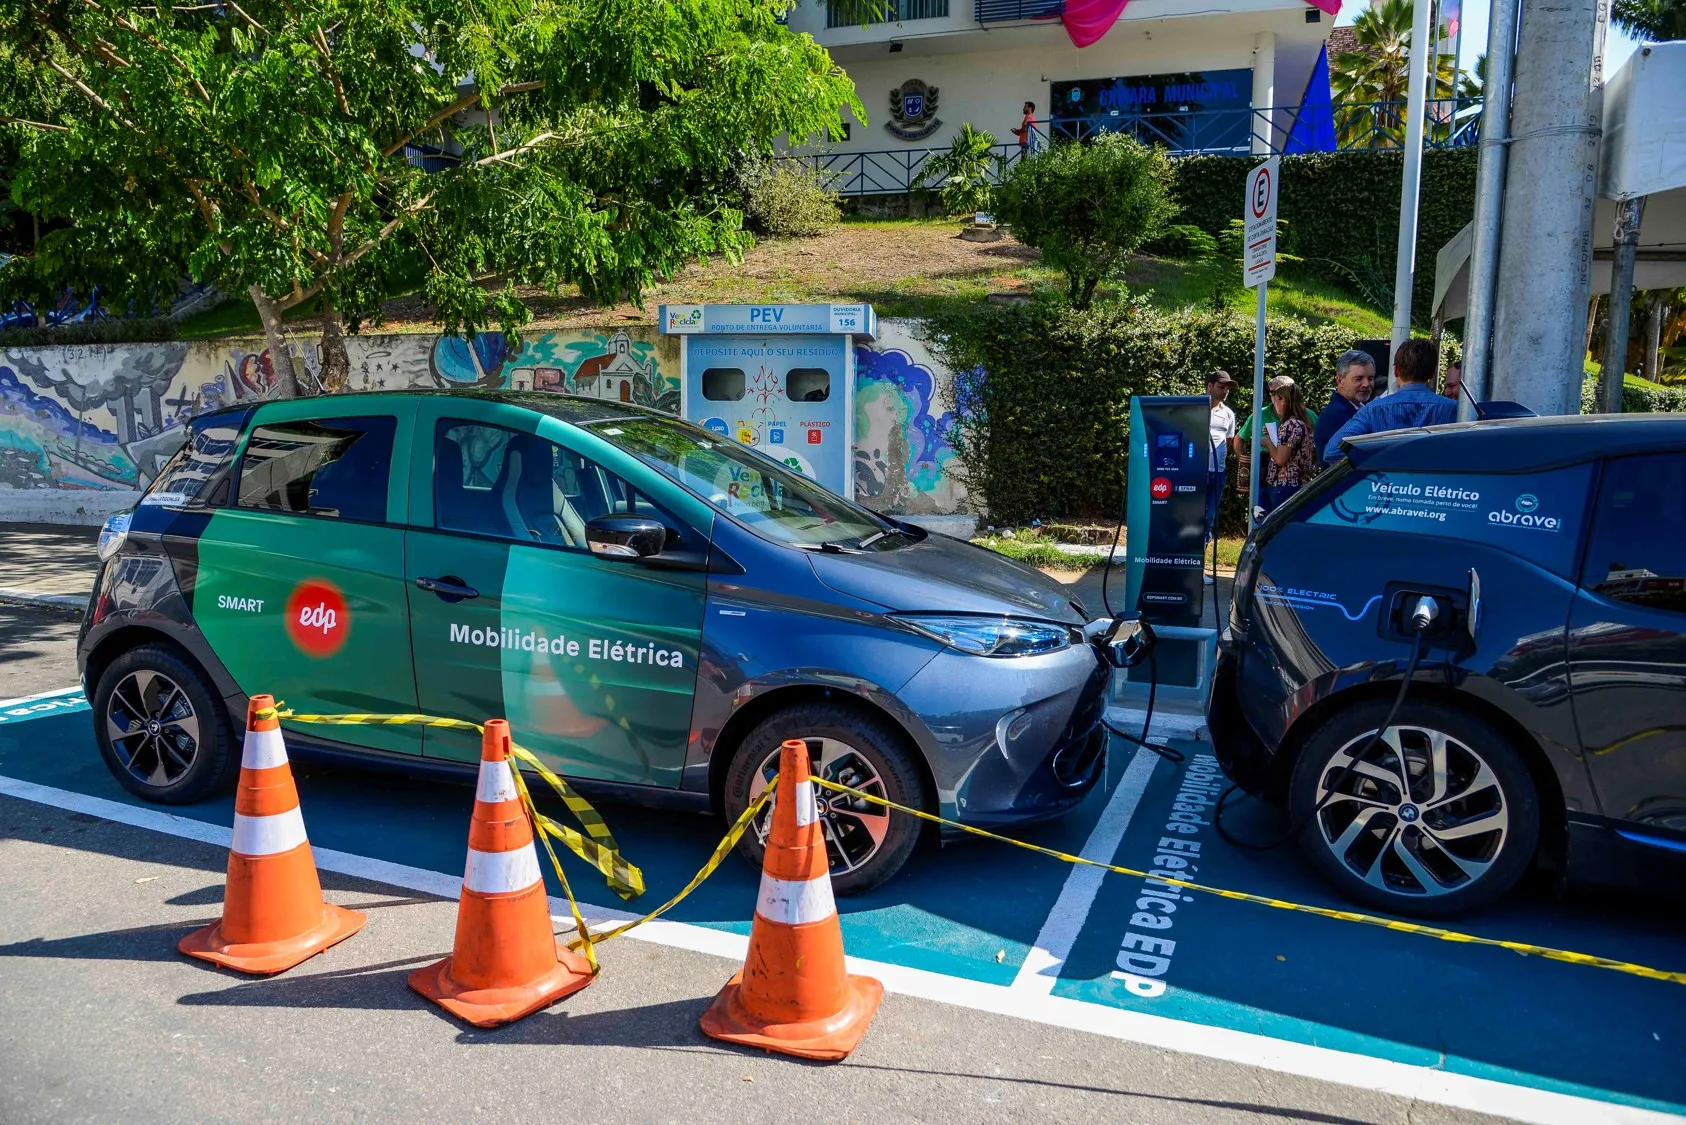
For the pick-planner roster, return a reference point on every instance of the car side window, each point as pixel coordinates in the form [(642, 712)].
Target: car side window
[(488, 480), (334, 467), (1637, 550)]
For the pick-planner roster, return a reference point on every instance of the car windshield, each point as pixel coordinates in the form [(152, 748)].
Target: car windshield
[(774, 501)]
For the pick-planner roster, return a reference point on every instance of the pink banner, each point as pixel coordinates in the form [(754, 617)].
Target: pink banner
[(1087, 20)]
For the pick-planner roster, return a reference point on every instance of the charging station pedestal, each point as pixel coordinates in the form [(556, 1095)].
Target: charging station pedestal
[(1170, 442), (778, 378)]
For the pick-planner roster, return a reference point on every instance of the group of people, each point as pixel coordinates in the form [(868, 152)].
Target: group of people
[(1299, 442)]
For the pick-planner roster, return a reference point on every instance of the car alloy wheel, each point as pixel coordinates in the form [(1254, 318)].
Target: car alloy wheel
[(854, 828), (153, 727), (1423, 814)]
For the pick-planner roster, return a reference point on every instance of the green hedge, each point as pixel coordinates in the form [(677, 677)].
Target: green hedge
[(1637, 398), (1342, 212), (1045, 432)]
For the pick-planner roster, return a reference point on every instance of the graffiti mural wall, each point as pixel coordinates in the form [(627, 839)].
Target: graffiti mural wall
[(904, 412), (84, 427)]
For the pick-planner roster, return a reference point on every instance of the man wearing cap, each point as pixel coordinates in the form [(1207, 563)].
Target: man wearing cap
[(1218, 384)]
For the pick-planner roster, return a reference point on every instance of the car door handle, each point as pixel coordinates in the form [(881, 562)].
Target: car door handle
[(450, 588)]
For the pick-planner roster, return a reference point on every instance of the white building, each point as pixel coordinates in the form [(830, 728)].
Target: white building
[(1215, 73)]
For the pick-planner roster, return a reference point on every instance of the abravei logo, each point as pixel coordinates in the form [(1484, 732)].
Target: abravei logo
[(317, 620), (1527, 505)]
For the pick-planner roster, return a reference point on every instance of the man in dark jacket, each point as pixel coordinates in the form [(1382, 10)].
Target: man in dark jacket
[(1415, 403), (1355, 381)]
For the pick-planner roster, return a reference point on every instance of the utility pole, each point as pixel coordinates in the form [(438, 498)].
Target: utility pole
[(1629, 214), (1489, 207), (1545, 245), (1423, 50)]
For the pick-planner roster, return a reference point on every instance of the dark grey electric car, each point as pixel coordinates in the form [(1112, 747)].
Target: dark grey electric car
[(1545, 723), (652, 607)]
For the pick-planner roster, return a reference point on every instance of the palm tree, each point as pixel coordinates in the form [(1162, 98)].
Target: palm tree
[(1657, 21), (1379, 72)]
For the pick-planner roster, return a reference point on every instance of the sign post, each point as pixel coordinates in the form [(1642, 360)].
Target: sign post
[(1258, 267)]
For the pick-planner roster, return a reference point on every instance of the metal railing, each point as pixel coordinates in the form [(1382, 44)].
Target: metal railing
[(1360, 127), (839, 15), (1004, 11)]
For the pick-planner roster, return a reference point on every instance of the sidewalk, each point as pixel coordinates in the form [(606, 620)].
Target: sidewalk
[(47, 564)]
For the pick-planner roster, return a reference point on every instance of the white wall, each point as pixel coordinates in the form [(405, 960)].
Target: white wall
[(983, 77)]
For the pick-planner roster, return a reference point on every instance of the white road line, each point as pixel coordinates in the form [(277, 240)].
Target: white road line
[(1041, 966), (1403, 1080), (41, 695)]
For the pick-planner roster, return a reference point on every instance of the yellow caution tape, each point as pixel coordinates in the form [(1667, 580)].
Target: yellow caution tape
[(1240, 896), (601, 851), (720, 851), (627, 880)]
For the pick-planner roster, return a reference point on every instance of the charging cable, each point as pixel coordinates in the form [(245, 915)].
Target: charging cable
[(1422, 617)]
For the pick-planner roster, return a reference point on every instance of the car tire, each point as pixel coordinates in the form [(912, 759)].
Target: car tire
[(161, 728), (866, 844), (1388, 839)]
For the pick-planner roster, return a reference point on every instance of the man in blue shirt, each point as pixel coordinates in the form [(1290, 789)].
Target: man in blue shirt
[(1355, 382), (1415, 403)]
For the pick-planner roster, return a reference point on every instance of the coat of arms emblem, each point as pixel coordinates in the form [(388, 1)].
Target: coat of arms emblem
[(913, 111)]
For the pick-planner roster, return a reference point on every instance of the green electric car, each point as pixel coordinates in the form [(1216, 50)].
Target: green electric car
[(653, 608)]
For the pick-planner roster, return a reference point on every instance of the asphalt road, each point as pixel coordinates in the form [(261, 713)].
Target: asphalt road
[(101, 1019)]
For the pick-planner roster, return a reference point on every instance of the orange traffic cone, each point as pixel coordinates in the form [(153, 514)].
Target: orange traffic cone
[(506, 962), (793, 994), (273, 914), (549, 706)]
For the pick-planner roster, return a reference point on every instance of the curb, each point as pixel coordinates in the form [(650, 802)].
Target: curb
[(76, 602)]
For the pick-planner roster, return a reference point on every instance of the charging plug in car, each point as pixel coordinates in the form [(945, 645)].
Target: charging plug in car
[(1437, 614), (1128, 641)]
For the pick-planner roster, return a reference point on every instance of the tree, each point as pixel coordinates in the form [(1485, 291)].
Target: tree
[(268, 147), (1087, 206), (1370, 84), (1656, 21), (964, 171)]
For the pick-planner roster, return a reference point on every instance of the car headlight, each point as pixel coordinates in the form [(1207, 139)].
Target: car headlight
[(991, 636), (112, 534)]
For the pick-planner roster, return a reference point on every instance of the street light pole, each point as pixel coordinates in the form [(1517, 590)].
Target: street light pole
[(1423, 50), (1489, 207)]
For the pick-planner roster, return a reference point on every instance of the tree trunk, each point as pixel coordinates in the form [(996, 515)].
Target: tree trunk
[(1654, 333), (336, 363), (1591, 323), (280, 359)]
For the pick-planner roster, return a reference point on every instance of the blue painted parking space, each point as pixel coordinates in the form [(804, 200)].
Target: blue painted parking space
[(975, 911)]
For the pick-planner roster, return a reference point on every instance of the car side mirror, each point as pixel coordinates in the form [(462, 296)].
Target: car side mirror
[(625, 537), (1128, 641)]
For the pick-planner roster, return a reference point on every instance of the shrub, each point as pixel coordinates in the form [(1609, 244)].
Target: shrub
[(1044, 394), (120, 331), (1637, 398), (967, 171), (1341, 211), (788, 198), (1183, 241), (1087, 207)]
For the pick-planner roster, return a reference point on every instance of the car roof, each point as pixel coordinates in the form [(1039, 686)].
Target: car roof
[(1518, 444), (578, 410)]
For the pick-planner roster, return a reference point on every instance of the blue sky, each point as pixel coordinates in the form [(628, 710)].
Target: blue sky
[(1475, 35)]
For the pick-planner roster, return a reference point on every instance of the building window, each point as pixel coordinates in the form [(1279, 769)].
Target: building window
[(837, 14)]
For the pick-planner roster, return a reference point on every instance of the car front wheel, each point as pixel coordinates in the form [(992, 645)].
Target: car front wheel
[(1441, 817), (161, 729), (865, 843)]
